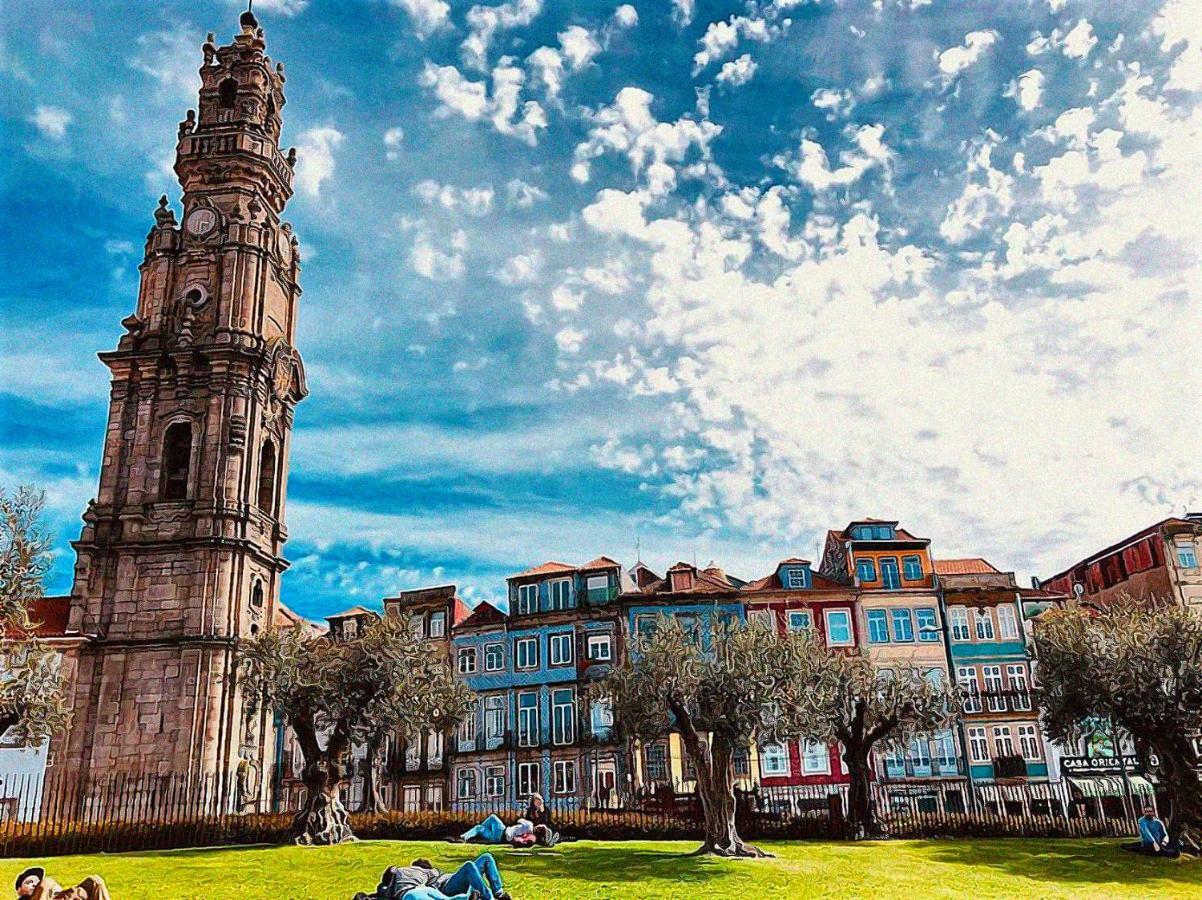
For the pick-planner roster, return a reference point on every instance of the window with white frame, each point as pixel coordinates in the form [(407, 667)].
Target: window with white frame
[(494, 781), (1016, 673), (565, 777), (994, 697), (600, 648), (945, 750), (984, 623), (966, 678), (795, 577), (1007, 623), (467, 660), (561, 593), (958, 618), (1187, 557), (495, 715), (525, 653), (920, 752), (815, 758), (434, 749), (800, 620), (494, 657), (527, 719), (563, 716), (774, 760), (438, 624), (928, 624), (602, 717), (560, 649), (467, 784), (1028, 741), (1003, 742), (527, 598), (838, 628), (978, 745), (467, 730), (597, 587), (529, 780)]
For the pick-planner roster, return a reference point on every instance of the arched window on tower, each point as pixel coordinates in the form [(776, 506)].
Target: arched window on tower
[(177, 460), (227, 93), (256, 595), (267, 477)]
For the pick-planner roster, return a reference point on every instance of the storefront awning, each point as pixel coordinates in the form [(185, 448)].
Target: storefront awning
[(1110, 786)]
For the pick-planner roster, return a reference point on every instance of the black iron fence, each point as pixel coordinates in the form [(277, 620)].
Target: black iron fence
[(62, 813)]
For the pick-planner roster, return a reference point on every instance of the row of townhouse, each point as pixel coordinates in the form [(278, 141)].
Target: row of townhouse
[(877, 591)]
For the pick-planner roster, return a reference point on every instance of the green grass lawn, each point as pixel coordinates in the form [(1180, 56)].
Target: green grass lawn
[(641, 870)]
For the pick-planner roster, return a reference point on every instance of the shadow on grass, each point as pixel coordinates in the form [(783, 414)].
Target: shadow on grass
[(1096, 862), (615, 864)]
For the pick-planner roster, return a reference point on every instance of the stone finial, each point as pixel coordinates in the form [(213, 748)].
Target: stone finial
[(255, 208), (279, 70), (164, 216), (209, 48), (187, 126), (292, 156)]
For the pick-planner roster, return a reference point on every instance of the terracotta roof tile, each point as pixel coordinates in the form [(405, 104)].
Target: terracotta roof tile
[(972, 565), (601, 562), (354, 611), (547, 568)]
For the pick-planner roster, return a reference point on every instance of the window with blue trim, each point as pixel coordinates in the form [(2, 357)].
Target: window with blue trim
[(799, 620), (878, 626), (795, 577), (1186, 557), (838, 628), (912, 568), (866, 570), (890, 577), (903, 625), (527, 598), (928, 625)]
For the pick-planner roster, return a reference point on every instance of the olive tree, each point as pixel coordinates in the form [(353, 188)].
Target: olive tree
[(720, 689), (867, 709), (33, 695), (335, 694), (1138, 666)]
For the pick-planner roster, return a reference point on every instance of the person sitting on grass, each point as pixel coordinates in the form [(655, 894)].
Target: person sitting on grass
[(35, 884), (1153, 837), (540, 817), (476, 879)]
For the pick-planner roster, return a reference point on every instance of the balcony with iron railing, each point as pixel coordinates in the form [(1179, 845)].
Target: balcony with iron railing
[(989, 702), (894, 769), (1011, 766)]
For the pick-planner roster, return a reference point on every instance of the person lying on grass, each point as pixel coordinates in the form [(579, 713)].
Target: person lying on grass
[(477, 879), (35, 884), (493, 830)]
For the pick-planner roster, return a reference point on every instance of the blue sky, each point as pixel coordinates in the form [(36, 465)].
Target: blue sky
[(710, 276)]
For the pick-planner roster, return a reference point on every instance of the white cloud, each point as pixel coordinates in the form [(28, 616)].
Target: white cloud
[(549, 65), (485, 21), (504, 110), (315, 158), (171, 58), (428, 15), (628, 127), (579, 46), (475, 201), (814, 170), (738, 71), (1028, 90), (721, 38), (682, 11), (523, 268), (836, 101), (569, 340), (1078, 43), (988, 194), (52, 121), (393, 138), (955, 60), (437, 265), (626, 16), (523, 195)]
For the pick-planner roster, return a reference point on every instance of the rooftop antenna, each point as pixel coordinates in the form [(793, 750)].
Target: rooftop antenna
[(638, 545)]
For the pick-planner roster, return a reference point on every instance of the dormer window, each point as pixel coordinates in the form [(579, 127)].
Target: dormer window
[(527, 598), (682, 580), (873, 533), (795, 577)]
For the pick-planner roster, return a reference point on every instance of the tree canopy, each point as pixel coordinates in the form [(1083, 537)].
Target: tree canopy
[(33, 696), (1137, 665), (335, 694)]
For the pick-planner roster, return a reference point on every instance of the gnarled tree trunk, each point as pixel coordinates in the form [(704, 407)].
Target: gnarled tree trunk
[(1179, 772), (716, 788), (323, 820), (861, 813)]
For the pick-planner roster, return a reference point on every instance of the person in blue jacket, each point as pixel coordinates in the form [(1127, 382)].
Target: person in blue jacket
[(1153, 837)]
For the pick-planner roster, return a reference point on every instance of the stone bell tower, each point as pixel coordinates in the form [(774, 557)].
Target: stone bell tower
[(180, 553)]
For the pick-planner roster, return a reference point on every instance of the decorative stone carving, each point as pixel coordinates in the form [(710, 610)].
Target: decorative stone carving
[(164, 216)]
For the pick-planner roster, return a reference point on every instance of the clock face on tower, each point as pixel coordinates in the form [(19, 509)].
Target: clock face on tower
[(200, 222)]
